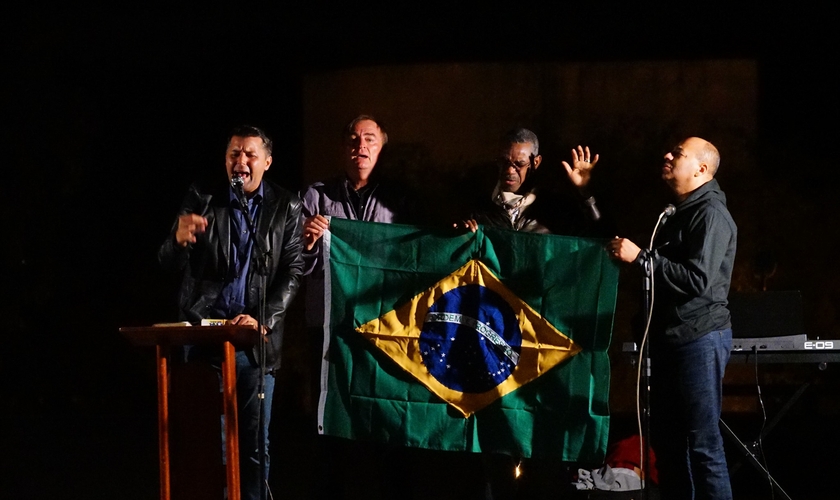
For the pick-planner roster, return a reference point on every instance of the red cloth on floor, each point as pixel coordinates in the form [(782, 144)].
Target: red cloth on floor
[(626, 453)]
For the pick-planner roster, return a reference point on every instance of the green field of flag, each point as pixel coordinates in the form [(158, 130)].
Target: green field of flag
[(488, 341)]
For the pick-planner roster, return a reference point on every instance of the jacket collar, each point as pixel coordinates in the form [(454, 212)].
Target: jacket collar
[(267, 213)]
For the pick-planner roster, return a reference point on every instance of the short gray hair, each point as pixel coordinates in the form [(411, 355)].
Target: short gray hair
[(521, 135), (350, 128)]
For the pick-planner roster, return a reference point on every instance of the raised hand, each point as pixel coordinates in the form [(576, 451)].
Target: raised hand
[(580, 171)]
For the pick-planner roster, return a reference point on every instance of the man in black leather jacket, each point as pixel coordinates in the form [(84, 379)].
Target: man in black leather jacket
[(212, 247), (521, 203)]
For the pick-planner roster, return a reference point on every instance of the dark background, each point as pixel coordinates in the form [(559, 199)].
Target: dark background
[(108, 114)]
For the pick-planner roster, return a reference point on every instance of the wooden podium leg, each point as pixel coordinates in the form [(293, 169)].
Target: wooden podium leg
[(189, 441), (231, 421), (163, 418)]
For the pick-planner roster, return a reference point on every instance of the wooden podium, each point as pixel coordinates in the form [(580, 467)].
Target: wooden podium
[(228, 337)]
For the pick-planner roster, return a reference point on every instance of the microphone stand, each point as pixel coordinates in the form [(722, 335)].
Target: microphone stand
[(647, 266), (644, 366), (262, 272)]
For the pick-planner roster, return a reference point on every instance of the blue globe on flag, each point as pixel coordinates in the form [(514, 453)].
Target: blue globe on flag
[(470, 339)]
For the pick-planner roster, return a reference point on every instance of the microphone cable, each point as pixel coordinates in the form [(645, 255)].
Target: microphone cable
[(669, 210)]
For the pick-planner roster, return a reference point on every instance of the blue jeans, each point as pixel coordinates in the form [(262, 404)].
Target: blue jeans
[(247, 390), (686, 395), (248, 414)]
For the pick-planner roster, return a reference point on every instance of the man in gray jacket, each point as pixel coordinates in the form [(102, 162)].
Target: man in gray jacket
[(691, 334), (358, 193)]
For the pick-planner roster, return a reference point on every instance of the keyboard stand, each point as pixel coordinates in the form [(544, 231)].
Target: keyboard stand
[(750, 451), (749, 454)]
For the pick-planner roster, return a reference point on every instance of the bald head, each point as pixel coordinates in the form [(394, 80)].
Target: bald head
[(689, 165), (707, 153), (704, 152)]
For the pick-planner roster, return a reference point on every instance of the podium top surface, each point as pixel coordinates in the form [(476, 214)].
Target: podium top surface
[(241, 336)]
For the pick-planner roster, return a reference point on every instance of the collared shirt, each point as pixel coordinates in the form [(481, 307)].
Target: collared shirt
[(231, 300), (360, 198)]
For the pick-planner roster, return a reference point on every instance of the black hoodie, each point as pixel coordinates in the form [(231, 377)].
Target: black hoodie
[(693, 257)]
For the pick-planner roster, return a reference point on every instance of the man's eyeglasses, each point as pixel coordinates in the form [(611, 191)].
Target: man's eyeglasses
[(505, 164)]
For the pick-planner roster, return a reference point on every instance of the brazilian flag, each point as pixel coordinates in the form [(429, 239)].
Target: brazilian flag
[(487, 341)]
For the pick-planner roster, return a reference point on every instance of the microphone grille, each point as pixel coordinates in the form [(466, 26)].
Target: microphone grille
[(236, 181), (669, 210)]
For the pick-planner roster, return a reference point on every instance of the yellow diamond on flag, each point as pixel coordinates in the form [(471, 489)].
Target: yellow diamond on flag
[(469, 339)]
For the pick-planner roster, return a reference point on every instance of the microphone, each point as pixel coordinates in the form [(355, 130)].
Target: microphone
[(237, 184), (669, 211), (594, 213)]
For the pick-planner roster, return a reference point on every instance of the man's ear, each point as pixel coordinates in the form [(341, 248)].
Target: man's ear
[(268, 162), (537, 160), (702, 168)]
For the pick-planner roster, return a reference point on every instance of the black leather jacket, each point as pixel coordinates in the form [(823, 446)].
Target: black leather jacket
[(204, 264)]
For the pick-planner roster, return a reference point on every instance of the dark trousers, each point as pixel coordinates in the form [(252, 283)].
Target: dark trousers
[(686, 396)]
